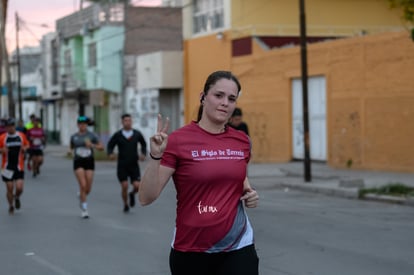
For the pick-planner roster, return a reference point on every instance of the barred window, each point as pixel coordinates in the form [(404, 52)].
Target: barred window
[(92, 55), (208, 15), (68, 61), (112, 12), (55, 62)]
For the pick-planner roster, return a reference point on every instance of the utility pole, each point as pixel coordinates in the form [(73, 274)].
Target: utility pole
[(19, 88), (3, 5), (124, 75), (303, 51), (5, 58)]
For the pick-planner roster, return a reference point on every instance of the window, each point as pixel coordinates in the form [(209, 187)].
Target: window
[(116, 13), (112, 13), (55, 62), (208, 15), (68, 62), (92, 55)]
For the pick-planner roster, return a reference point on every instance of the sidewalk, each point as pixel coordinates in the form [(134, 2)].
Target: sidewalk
[(327, 180), (324, 179)]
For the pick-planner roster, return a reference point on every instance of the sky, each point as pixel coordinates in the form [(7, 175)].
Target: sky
[(38, 18)]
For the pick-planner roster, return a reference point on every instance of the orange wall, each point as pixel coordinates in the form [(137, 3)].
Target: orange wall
[(369, 88), (202, 56)]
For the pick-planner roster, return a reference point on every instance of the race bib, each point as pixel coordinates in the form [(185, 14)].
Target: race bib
[(37, 142), (8, 174), (83, 152)]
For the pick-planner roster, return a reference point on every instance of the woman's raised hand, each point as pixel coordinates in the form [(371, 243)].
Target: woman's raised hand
[(158, 142)]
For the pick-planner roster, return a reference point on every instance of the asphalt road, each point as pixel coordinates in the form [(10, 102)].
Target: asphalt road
[(296, 232)]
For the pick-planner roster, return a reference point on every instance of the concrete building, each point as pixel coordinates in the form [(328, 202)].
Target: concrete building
[(359, 63), (154, 76), (31, 87), (90, 49), (52, 90), (112, 63)]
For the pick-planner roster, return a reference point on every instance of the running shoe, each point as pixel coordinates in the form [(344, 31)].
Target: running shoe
[(11, 210), (126, 208), (17, 203), (84, 214), (131, 199)]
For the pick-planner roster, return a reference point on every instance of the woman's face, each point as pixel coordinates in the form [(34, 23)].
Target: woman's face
[(220, 101)]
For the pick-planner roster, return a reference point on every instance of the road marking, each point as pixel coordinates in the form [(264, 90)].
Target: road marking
[(47, 264)]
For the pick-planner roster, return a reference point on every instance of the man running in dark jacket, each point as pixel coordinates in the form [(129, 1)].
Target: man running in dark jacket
[(127, 139)]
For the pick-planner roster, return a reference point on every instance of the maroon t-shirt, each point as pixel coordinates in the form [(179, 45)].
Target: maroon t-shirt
[(36, 136), (209, 173)]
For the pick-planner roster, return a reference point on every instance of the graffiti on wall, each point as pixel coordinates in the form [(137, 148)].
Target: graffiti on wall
[(346, 145), (144, 107), (258, 130)]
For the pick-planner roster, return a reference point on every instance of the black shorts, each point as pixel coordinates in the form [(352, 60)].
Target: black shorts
[(17, 175), (239, 262), (35, 152), (85, 163), (129, 171)]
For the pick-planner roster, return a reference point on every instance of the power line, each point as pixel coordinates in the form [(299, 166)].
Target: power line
[(123, 32), (24, 25)]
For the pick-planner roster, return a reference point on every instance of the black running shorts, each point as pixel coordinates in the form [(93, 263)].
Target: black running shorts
[(238, 262), (85, 163), (35, 152), (17, 175), (129, 171)]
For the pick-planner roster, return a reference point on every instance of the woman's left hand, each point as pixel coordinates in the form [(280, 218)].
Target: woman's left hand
[(250, 198)]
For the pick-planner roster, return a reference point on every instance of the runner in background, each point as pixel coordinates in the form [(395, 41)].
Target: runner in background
[(29, 125), (12, 147), (37, 139), (236, 121), (82, 145), (20, 126), (127, 140)]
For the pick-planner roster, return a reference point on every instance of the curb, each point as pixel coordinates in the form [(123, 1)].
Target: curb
[(349, 193), (389, 199)]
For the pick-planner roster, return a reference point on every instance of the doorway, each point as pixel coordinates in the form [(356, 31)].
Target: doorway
[(317, 118)]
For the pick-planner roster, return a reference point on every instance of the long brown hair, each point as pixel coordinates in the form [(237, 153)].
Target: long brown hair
[(211, 80)]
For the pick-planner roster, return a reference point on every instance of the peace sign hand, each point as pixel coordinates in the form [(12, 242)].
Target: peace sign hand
[(158, 142)]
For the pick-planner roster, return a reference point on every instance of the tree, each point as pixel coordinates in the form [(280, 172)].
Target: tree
[(408, 11), (407, 6)]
